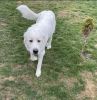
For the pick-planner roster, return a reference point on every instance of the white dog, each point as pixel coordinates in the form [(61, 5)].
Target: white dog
[(39, 35)]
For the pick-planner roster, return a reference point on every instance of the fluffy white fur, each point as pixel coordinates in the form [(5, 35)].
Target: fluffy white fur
[(39, 35)]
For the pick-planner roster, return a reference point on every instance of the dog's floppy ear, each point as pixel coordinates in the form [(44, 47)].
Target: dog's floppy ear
[(24, 36), (26, 42)]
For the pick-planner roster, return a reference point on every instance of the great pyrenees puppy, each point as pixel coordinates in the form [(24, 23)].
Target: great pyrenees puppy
[(39, 35)]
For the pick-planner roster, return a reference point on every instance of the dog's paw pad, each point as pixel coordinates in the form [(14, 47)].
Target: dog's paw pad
[(38, 73)]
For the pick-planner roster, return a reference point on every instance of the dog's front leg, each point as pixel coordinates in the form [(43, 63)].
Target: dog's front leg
[(40, 59)]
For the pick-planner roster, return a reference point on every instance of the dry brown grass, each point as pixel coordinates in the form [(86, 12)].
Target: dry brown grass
[(90, 87)]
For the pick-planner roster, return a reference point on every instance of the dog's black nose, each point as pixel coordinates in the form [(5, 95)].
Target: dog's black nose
[(35, 51)]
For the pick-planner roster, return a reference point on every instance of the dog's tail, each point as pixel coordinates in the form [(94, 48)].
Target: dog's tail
[(27, 12)]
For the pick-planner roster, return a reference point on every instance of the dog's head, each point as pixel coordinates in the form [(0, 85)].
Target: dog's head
[(34, 42)]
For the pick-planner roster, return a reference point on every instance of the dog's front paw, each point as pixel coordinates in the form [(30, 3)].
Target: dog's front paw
[(38, 73), (49, 47), (33, 58)]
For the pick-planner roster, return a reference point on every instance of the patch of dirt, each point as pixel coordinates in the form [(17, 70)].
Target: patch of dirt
[(2, 65), (86, 55), (11, 78), (95, 73), (19, 3), (74, 17), (90, 87), (3, 79), (95, 46), (3, 24), (69, 81), (7, 94), (63, 13), (25, 78), (17, 66)]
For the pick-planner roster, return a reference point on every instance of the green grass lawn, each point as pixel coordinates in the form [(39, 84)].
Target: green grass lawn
[(65, 75)]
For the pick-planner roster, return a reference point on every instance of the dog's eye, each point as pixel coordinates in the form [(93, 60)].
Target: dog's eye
[(30, 40), (38, 41)]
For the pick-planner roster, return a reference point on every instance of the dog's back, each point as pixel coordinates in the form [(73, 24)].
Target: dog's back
[(46, 18)]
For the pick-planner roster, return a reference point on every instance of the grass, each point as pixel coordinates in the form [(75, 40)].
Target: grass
[(65, 75)]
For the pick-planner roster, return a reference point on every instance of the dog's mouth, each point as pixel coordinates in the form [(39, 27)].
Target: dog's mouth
[(36, 55)]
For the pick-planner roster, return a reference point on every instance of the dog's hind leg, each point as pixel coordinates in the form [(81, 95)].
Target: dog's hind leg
[(48, 45)]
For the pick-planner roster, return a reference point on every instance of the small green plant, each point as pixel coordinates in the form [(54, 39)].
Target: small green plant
[(87, 27), (86, 30)]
